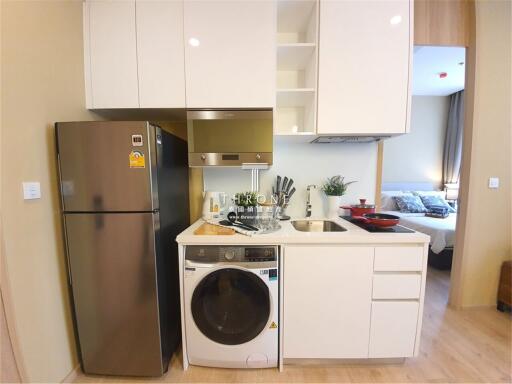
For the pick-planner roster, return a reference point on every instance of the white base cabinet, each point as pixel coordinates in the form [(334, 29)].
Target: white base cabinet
[(393, 328), (327, 301), (347, 302)]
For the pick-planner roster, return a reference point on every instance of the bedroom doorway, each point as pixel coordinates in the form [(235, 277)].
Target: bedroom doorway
[(420, 170)]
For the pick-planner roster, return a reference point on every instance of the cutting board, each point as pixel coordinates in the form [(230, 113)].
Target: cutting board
[(210, 229)]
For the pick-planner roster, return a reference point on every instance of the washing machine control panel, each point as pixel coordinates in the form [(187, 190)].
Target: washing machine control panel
[(259, 254), (221, 253)]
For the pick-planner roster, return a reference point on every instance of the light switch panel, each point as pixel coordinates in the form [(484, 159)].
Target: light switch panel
[(31, 190), (494, 182)]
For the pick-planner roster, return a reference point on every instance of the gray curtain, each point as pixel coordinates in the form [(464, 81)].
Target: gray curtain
[(453, 139)]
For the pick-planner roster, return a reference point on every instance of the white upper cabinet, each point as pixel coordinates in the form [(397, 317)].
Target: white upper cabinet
[(230, 53), (134, 54), (110, 54), (364, 66), (160, 53)]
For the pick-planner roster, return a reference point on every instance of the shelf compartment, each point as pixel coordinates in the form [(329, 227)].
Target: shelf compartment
[(295, 120), (296, 21), (297, 97), (295, 56)]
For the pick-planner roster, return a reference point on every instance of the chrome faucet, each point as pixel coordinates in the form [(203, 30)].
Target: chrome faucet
[(308, 200)]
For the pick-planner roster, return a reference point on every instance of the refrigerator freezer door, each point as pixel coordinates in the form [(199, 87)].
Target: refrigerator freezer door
[(107, 166), (113, 268)]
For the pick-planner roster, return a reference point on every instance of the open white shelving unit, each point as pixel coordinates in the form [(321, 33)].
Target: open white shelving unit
[(297, 57)]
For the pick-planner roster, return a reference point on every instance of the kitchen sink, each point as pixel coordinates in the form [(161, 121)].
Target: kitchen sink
[(317, 226)]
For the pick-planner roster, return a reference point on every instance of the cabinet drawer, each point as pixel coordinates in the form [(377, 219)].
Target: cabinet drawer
[(393, 329), (398, 259), (396, 286)]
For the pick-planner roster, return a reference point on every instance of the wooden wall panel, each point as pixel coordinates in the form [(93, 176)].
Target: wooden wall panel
[(441, 22)]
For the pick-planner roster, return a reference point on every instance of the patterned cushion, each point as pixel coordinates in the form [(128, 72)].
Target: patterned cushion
[(387, 203), (410, 204), (430, 201), (441, 194)]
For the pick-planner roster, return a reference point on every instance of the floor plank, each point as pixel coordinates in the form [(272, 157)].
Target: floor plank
[(471, 345)]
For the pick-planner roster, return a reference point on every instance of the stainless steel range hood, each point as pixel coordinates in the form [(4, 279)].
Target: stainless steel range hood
[(347, 139), (229, 138)]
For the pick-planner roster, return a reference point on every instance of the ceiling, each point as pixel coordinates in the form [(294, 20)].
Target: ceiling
[(429, 62)]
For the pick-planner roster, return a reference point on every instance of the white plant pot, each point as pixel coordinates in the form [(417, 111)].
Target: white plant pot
[(333, 206)]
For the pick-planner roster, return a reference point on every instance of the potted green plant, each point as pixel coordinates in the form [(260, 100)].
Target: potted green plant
[(247, 207), (335, 187)]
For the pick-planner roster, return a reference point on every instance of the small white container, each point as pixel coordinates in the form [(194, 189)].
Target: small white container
[(333, 206)]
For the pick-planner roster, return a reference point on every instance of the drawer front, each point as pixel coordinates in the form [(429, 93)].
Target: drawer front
[(396, 286), (397, 259), (393, 329)]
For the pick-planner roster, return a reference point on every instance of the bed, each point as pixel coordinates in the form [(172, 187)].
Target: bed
[(441, 231)]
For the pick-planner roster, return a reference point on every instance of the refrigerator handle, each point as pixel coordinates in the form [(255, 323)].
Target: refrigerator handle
[(61, 195), (66, 251)]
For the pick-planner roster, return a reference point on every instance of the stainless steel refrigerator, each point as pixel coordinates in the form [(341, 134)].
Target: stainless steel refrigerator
[(124, 193)]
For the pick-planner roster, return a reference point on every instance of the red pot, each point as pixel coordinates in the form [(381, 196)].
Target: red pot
[(360, 209), (379, 219)]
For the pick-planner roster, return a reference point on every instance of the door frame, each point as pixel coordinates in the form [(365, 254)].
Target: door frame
[(458, 263)]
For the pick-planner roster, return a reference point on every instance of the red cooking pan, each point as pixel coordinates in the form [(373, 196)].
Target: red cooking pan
[(360, 209), (378, 219)]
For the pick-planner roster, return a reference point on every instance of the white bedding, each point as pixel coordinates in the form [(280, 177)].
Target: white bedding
[(441, 231)]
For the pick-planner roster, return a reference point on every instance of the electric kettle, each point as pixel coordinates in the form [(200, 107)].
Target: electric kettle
[(214, 204)]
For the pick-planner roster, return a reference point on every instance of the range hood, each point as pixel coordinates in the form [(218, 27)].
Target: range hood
[(229, 138), (347, 139)]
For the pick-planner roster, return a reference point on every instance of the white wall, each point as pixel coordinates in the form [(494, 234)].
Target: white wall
[(418, 156), (307, 164), (42, 82)]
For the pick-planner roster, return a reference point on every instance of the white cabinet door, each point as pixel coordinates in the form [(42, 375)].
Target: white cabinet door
[(393, 328), (230, 53), (111, 54), (160, 53), (364, 57), (327, 301)]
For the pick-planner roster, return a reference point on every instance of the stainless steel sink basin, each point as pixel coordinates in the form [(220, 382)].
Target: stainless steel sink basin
[(317, 226)]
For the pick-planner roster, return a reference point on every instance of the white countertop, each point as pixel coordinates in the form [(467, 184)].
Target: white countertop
[(289, 235)]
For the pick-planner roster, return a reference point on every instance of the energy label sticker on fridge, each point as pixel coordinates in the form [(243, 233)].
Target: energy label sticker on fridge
[(137, 159)]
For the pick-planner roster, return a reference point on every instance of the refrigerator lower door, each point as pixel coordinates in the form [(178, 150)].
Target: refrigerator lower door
[(113, 274)]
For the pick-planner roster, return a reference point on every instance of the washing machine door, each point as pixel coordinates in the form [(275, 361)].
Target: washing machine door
[(231, 306)]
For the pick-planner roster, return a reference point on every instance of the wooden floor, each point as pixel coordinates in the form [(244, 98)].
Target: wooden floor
[(456, 346)]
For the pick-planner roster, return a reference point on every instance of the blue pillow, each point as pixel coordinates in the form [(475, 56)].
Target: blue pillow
[(410, 204), (431, 201)]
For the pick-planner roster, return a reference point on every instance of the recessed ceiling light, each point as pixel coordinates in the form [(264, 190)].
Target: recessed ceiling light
[(397, 19), (193, 42)]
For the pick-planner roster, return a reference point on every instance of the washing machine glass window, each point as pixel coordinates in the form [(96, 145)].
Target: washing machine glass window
[(231, 306)]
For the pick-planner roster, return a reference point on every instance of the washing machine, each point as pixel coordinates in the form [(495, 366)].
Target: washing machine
[(231, 306)]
